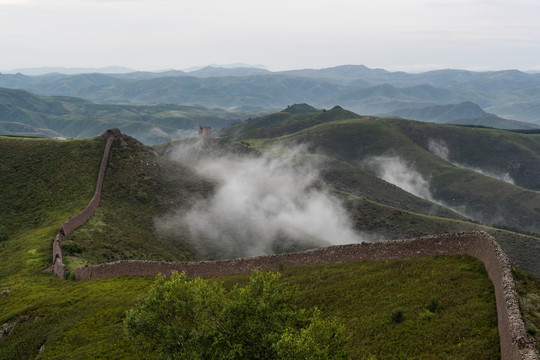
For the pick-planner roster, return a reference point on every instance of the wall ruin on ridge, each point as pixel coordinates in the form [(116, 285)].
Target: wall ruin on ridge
[(514, 341), (58, 267)]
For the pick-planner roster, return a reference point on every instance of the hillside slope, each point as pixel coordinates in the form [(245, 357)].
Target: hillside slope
[(385, 146), (49, 318), (26, 114), (470, 170)]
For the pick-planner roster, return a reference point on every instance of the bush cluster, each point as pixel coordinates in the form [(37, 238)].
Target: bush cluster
[(183, 318)]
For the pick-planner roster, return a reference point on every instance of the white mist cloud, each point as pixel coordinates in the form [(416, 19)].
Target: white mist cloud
[(156, 135), (440, 149), (397, 171), (261, 203), (403, 174)]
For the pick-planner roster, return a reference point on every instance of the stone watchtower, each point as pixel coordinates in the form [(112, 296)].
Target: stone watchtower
[(205, 131)]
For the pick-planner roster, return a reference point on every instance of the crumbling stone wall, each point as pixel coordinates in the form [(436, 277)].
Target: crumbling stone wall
[(70, 225), (514, 342)]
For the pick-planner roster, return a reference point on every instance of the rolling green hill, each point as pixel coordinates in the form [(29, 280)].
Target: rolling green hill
[(26, 114), (452, 171), (362, 142), (50, 318), (293, 118)]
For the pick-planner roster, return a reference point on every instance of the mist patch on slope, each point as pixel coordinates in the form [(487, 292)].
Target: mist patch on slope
[(440, 149), (401, 173), (263, 204), (397, 171)]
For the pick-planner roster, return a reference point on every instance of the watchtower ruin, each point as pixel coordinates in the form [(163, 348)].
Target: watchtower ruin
[(205, 131)]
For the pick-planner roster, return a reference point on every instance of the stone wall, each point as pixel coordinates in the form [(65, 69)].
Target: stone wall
[(514, 342), (58, 268)]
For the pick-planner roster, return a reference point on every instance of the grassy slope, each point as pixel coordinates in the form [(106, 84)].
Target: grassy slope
[(376, 222), (44, 183), (491, 149), (83, 320), (350, 137), (290, 120), (365, 304), (479, 196), (342, 176), (139, 186)]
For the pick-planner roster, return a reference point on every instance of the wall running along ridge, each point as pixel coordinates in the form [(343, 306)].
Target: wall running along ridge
[(58, 268), (515, 344)]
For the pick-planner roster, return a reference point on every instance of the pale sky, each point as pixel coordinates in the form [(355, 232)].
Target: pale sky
[(410, 35)]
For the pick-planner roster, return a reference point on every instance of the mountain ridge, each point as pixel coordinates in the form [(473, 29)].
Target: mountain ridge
[(496, 91)]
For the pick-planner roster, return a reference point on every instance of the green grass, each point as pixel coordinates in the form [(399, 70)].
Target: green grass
[(84, 320), (81, 320), (348, 143), (42, 179), (138, 187), (44, 183), (528, 288), (364, 295)]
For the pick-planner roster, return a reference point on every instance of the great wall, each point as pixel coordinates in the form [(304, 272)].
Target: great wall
[(515, 343), (58, 267)]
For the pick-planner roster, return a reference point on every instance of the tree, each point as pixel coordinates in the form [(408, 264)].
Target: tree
[(183, 318)]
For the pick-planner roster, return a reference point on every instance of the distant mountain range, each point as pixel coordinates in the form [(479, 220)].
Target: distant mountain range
[(27, 114), (70, 70), (23, 113), (508, 94), (465, 113)]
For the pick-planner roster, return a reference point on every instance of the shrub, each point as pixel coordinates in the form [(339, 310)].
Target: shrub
[(433, 304), (4, 235), (183, 318), (397, 316)]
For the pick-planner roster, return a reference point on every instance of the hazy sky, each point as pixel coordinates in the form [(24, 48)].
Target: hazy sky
[(281, 34)]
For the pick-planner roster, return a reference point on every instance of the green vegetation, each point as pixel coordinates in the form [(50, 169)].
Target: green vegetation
[(183, 318), (139, 186), (4, 235), (511, 94), (23, 113), (528, 288), (294, 118), (84, 320), (348, 144), (447, 302), (364, 295)]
